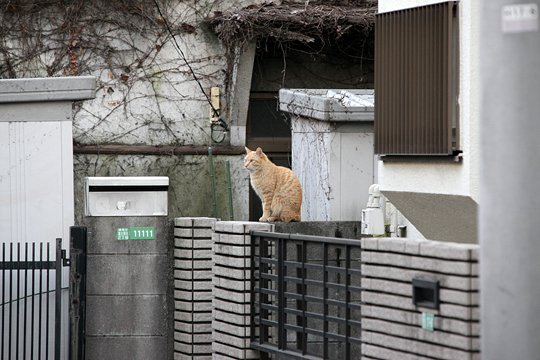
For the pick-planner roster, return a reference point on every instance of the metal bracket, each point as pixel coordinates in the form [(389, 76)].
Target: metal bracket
[(65, 259)]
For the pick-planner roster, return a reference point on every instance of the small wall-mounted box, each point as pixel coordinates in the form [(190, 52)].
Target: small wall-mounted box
[(126, 196)]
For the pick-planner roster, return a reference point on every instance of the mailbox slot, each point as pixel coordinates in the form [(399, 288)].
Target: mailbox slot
[(425, 293), (126, 196)]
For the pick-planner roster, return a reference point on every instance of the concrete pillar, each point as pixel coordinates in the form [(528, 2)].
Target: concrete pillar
[(231, 289), (193, 288), (129, 290), (509, 196)]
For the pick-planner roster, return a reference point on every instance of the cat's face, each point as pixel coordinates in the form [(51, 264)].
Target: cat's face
[(253, 159)]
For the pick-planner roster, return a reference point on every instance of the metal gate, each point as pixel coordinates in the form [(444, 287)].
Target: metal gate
[(31, 303), (305, 296)]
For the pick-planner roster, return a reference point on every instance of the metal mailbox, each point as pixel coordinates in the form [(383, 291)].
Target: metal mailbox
[(126, 196)]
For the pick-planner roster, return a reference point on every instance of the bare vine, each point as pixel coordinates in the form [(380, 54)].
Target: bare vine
[(127, 45)]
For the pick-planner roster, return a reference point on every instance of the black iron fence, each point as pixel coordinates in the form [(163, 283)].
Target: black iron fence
[(305, 297), (30, 324)]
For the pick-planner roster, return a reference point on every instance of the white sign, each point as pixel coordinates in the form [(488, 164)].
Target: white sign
[(519, 18)]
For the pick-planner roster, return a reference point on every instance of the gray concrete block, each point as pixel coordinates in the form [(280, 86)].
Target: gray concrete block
[(338, 229), (404, 289), (193, 233), (369, 243), (180, 356), (193, 295), (233, 340), (115, 315), (417, 333), (192, 254), (239, 309), (223, 227), (192, 348), (238, 297), (237, 319), (388, 272), (232, 239), (447, 250), (237, 262), (195, 326), (192, 285), (226, 249), (227, 328), (413, 346), (414, 318), (102, 239), (239, 274), (241, 227), (196, 244), (417, 263), (193, 264), (233, 352), (199, 306), (400, 245), (400, 302), (191, 338), (237, 285), (188, 317), (195, 274), (195, 222), (375, 352), (128, 274), (216, 356), (132, 348)]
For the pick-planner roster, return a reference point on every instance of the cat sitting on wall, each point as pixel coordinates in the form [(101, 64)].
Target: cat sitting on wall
[(277, 187)]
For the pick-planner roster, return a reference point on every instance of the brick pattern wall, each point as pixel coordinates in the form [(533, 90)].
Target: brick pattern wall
[(231, 289), (392, 324), (193, 288)]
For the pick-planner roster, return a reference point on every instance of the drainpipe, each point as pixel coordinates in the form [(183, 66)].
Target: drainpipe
[(229, 188), (212, 182), (510, 178)]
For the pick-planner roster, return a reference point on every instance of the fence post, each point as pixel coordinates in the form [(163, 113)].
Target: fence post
[(58, 299), (77, 292)]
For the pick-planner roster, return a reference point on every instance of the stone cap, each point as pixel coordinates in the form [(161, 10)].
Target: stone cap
[(67, 88), (343, 105)]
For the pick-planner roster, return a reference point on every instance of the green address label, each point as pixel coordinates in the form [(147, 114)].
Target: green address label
[(136, 233), (428, 321)]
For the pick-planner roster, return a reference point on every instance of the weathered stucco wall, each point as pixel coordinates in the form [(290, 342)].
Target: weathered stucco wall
[(189, 181), (146, 93)]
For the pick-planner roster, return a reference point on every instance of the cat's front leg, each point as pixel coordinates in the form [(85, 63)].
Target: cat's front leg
[(266, 212)]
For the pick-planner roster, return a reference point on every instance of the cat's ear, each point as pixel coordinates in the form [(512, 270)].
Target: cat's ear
[(259, 151), (247, 150)]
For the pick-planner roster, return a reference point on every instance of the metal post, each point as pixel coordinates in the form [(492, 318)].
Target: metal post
[(229, 187), (212, 182), (58, 300), (77, 292), (509, 178)]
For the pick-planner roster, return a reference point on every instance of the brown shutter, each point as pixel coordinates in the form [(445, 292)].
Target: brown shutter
[(416, 81)]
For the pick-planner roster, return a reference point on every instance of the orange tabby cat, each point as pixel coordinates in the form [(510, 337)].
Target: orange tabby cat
[(277, 186)]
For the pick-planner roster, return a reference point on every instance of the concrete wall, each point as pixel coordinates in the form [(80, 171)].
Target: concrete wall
[(335, 165), (447, 177), (129, 291), (36, 170), (392, 326), (189, 179), (444, 177), (510, 177)]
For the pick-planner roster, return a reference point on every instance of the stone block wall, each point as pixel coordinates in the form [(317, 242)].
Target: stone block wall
[(212, 294), (193, 288), (392, 324), (231, 289)]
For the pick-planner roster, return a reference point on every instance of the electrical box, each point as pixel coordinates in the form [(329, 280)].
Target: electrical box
[(126, 196), (372, 221)]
